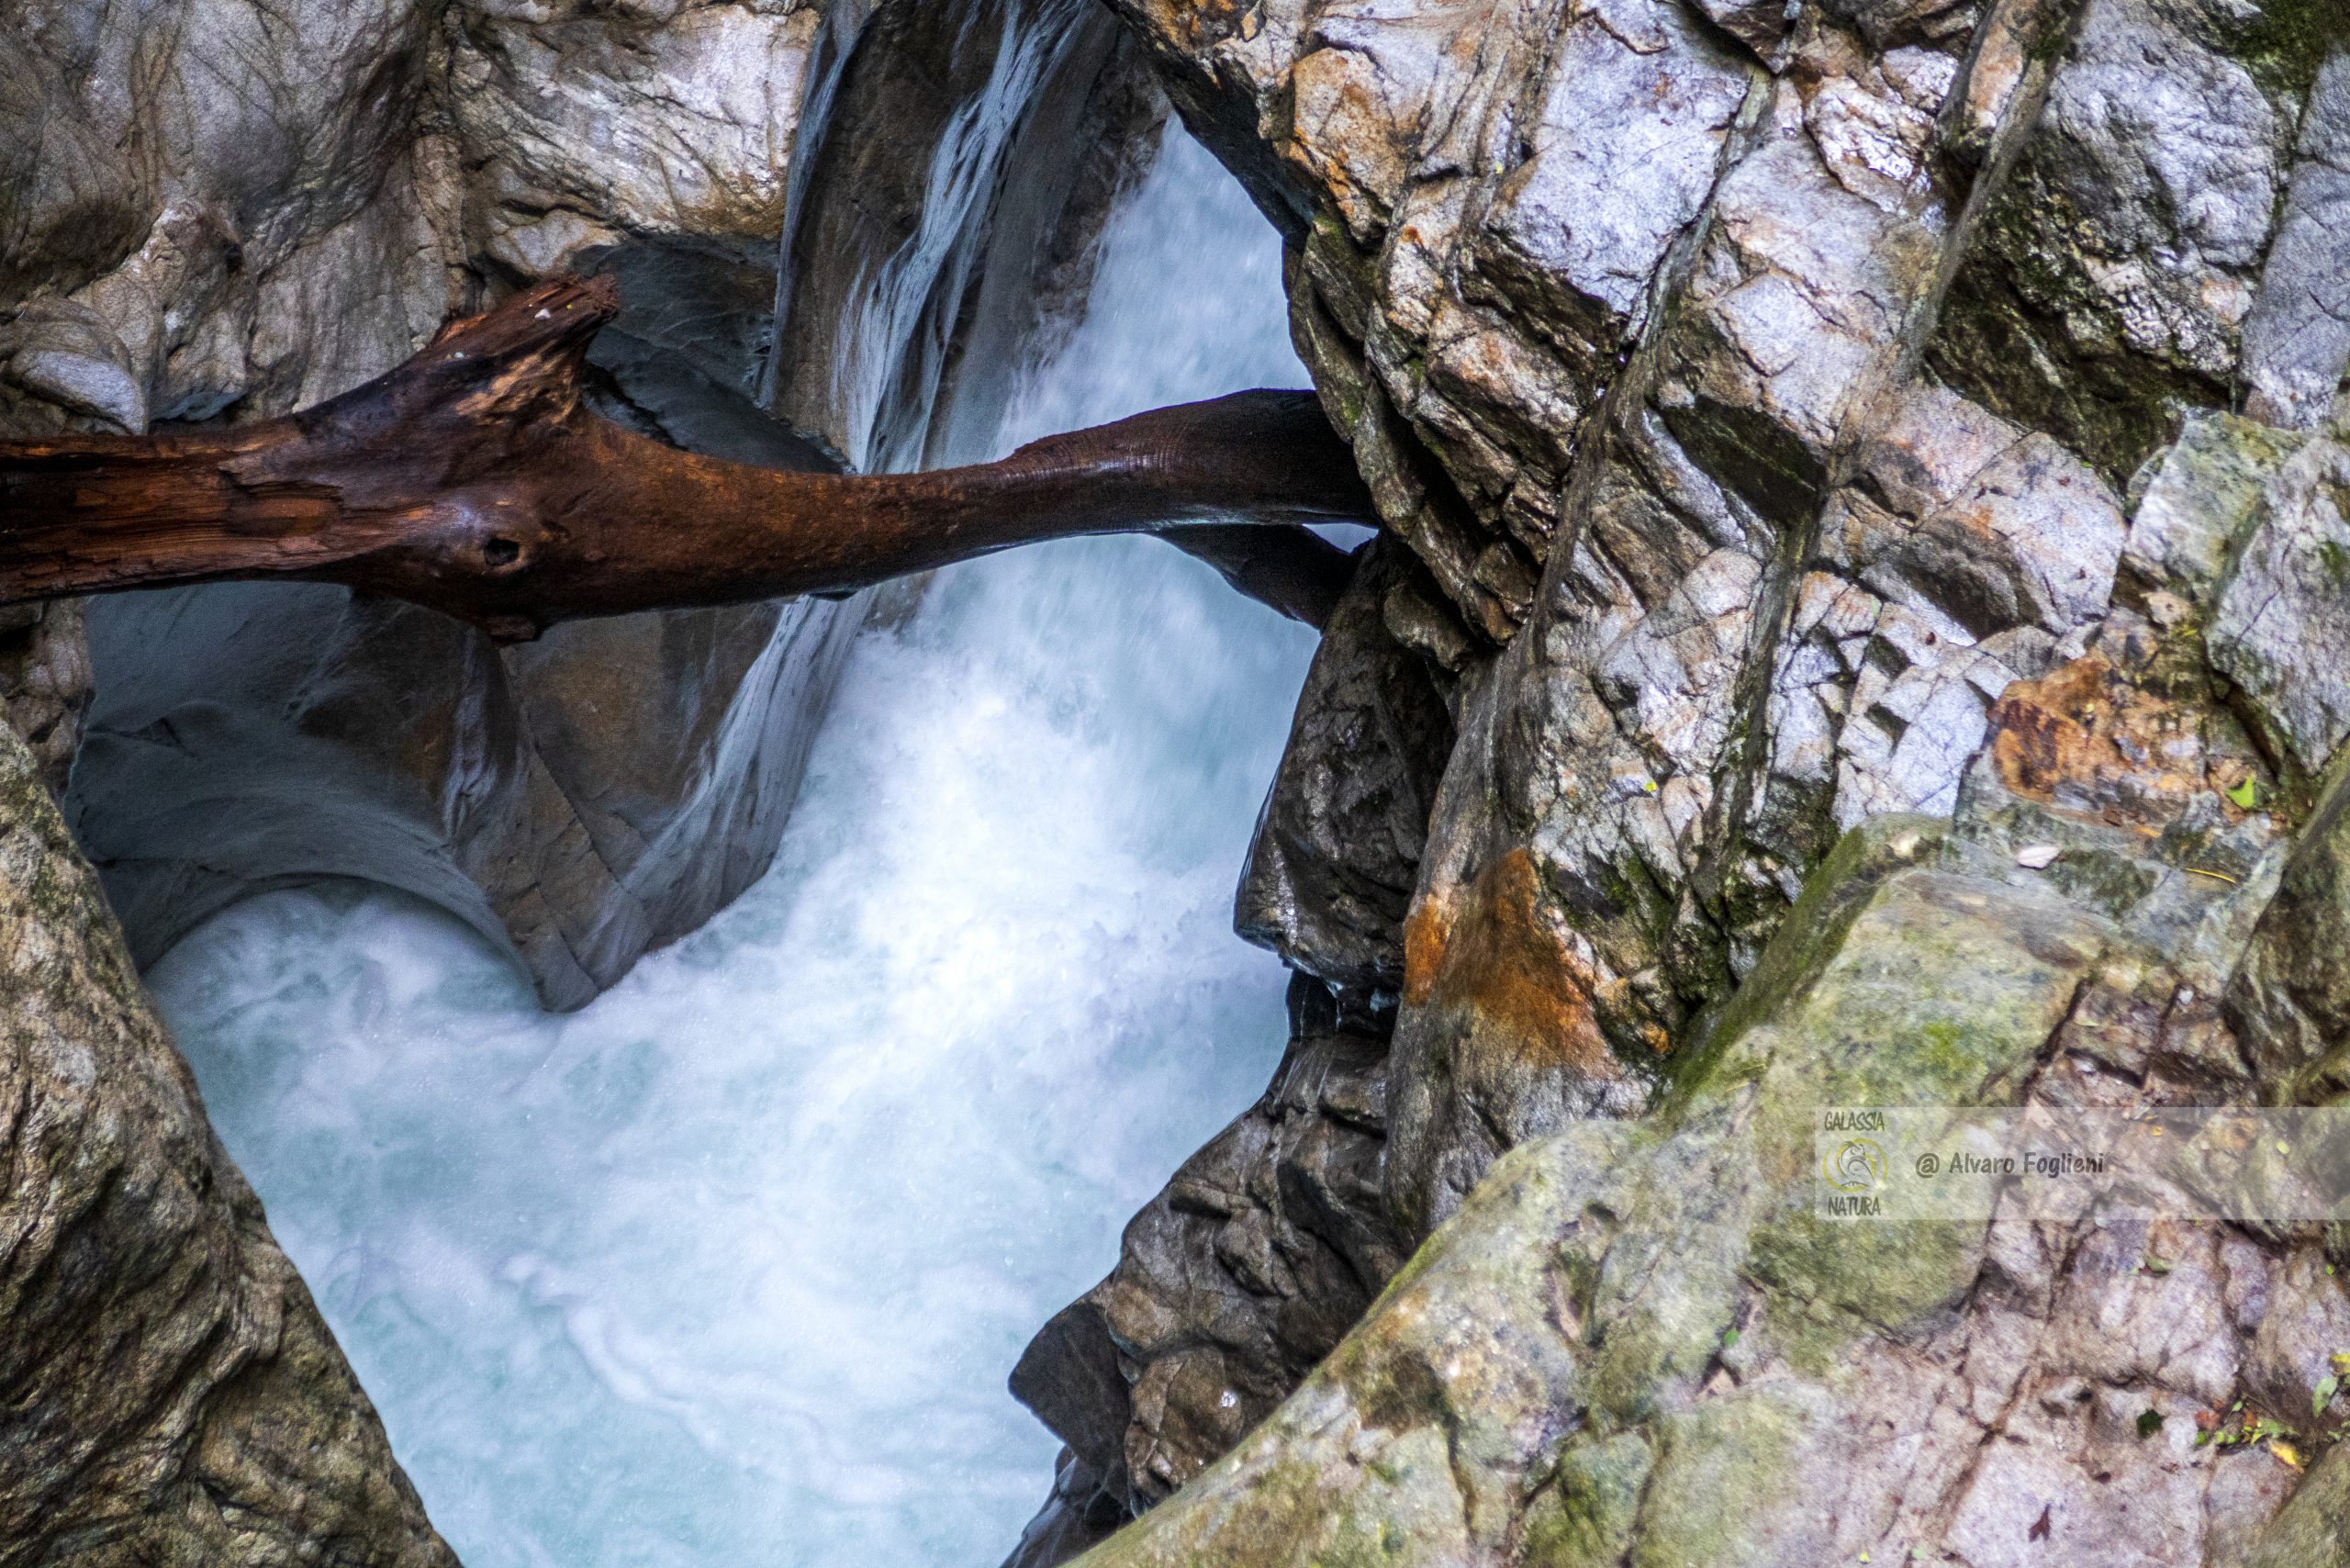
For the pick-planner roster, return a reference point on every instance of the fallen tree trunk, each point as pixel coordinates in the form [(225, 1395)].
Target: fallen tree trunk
[(474, 480)]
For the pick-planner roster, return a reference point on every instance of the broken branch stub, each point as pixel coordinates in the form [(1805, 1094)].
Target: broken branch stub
[(474, 480)]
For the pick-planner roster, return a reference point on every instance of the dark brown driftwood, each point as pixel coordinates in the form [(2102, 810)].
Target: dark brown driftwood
[(474, 480)]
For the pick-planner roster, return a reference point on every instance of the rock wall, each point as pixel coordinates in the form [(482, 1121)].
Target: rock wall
[(1840, 448), (1693, 350), (231, 210), (1858, 619), (174, 1396)]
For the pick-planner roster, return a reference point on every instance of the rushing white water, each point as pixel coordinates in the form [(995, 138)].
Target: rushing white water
[(728, 1268)]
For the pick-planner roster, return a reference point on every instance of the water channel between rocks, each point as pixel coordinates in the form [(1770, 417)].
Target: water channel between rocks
[(728, 1268)]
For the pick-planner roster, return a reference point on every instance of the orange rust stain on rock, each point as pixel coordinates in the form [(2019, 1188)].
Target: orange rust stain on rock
[(1493, 953), (2083, 737), (1426, 927)]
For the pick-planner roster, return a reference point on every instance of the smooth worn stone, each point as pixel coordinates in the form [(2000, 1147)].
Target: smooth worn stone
[(174, 1396), (577, 800), (321, 201)]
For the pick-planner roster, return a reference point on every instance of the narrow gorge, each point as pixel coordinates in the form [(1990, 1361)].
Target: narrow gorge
[(1758, 974)]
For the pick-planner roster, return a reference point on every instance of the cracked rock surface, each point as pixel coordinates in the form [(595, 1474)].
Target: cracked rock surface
[(1859, 619), (1872, 468)]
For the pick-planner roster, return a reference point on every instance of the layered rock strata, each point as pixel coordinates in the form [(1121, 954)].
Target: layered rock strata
[(1703, 354), (1905, 426)]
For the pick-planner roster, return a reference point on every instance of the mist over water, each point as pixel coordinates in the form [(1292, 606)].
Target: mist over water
[(730, 1266)]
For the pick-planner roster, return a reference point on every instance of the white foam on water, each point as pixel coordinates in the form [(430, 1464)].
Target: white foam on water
[(730, 1266)]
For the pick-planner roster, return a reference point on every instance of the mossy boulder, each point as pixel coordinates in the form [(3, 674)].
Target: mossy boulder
[(1648, 1342)]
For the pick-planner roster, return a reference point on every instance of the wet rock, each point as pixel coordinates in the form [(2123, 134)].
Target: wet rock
[(656, 120), (1771, 413), (1338, 847), (1242, 1274), (174, 1393), (315, 204), (305, 217), (1080, 1514), (1481, 200), (2131, 762), (2201, 499), (2310, 1528), (61, 352), (577, 801), (946, 178), (1270, 1240)]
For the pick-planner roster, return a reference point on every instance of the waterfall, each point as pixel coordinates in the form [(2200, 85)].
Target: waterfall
[(729, 1267)]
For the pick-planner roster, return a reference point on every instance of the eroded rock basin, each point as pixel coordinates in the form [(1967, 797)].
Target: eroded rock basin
[(731, 1265)]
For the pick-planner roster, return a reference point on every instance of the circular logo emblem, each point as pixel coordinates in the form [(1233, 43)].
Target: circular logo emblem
[(1856, 1164)]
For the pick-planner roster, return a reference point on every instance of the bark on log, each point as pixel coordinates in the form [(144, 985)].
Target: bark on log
[(474, 480)]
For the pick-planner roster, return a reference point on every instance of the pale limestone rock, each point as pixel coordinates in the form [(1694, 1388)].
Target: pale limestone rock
[(1791, 480), (2281, 627), (666, 120), (2297, 333)]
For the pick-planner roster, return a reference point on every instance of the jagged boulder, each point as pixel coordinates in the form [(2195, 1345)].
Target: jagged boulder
[(1761, 389)]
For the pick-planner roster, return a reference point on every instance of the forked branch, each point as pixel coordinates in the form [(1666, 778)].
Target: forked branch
[(474, 480)]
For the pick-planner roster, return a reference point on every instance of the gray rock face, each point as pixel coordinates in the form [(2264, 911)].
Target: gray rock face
[(1240, 1277), (2281, 626), (45, 682), (230, 210), (2297, 334), (1644, 1344), (1761, 407), (1270, 1240), (174, 1396), (1809, 419)]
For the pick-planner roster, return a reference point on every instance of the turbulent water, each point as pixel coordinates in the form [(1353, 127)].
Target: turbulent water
[(730, 1266)]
